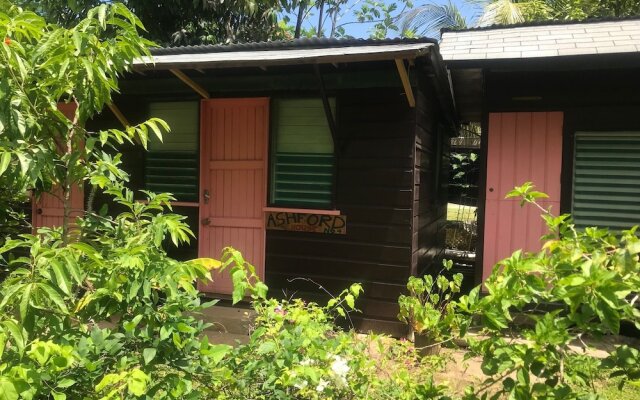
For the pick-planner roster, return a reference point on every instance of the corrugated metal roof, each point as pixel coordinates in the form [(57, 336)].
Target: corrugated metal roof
[(299, 51), (303, 43), (535, 41)]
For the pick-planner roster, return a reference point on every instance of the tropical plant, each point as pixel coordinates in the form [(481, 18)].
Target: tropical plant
[(110, 315), (296, 352), (42, 65), (429, 307), (583, 284), (429, 20), (334, 18), (179, 22)]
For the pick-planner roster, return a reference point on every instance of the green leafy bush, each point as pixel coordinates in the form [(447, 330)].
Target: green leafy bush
[(111, 314), (582, 284), (297, 352), (429, 308)]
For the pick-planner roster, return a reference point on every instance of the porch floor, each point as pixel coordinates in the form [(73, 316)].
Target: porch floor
[(230, 324)]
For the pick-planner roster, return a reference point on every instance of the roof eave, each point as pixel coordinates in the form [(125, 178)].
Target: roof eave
[(295, 57), (579, 62)]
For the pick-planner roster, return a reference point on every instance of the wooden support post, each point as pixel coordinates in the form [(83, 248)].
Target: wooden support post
[(406, 83), (189, 82), (116, 111)]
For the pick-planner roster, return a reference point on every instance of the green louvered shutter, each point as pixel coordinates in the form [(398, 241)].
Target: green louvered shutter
[(172, 165), (302, 156), (606, 182)]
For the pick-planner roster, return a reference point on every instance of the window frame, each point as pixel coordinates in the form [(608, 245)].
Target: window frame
[(273, 206)]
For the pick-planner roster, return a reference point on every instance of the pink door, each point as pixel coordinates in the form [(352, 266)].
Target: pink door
[(523, 146), (233, 165), (48, 209)]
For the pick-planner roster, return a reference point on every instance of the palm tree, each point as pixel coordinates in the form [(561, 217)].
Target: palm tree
[(507, 12), (429, 19)]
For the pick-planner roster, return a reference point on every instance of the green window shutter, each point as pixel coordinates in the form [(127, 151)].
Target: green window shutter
[(302, 154), (606, 181), (172, 165)]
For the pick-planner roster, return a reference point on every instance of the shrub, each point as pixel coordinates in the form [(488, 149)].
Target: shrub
[(296, 352), (429, 309), (582, 283), (111, 315)]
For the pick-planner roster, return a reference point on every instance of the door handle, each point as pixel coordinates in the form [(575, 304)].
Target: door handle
[(206, 196), (205, 221)]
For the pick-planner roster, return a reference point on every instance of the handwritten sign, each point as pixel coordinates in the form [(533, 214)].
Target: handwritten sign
[(299, 222)]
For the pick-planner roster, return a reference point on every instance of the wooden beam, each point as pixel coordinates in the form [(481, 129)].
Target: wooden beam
[(116, 111), (337, 146), (189, 82), (406, 83)]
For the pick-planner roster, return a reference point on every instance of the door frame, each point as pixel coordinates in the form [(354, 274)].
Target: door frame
[(205, 152)]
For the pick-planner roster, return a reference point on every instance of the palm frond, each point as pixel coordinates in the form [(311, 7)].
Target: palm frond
[(503, 12), (507, 12), (430, 19)]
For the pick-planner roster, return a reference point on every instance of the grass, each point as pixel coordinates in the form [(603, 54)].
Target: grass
[(630, 391), (459, 212)]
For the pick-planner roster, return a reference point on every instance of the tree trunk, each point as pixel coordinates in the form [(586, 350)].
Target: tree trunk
[(334, 22), (301, 10), (320, 17), (66, 204)]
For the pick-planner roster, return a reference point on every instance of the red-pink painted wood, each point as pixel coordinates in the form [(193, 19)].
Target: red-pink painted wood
[(523, 146), (48, 209), (233, 166)]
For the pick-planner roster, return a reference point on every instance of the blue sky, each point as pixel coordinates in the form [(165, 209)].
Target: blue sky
[(468, 9)]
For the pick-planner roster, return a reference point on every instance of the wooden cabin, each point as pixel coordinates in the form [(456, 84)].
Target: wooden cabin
[(324, 161), (558, 104)]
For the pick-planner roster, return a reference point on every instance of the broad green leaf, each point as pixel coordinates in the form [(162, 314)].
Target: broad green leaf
[(3, 343), (148, 354), (7, 389), (25, 162), (137, 382), (59, 396), (65, 383), (18, 335), (266, 347), (349, 300), (5, 160), (54, 296), (109, 380), (218, 351), (88, 67), (20, 122), (165, 332), (24, 302), (102, 13), (62, 278)]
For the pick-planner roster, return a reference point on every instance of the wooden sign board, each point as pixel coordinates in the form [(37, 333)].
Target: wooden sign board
[(300, 222)]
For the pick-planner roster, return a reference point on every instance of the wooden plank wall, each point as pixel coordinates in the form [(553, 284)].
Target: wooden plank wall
[(133, 161), (430, 182), (377, 189), (375, 192)]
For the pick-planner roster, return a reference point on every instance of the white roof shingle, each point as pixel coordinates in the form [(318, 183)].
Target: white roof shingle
[(553, 40)]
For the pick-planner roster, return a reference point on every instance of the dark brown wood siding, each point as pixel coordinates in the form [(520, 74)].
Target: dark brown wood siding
[(375, 191), (431, 178), (380, 190)]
